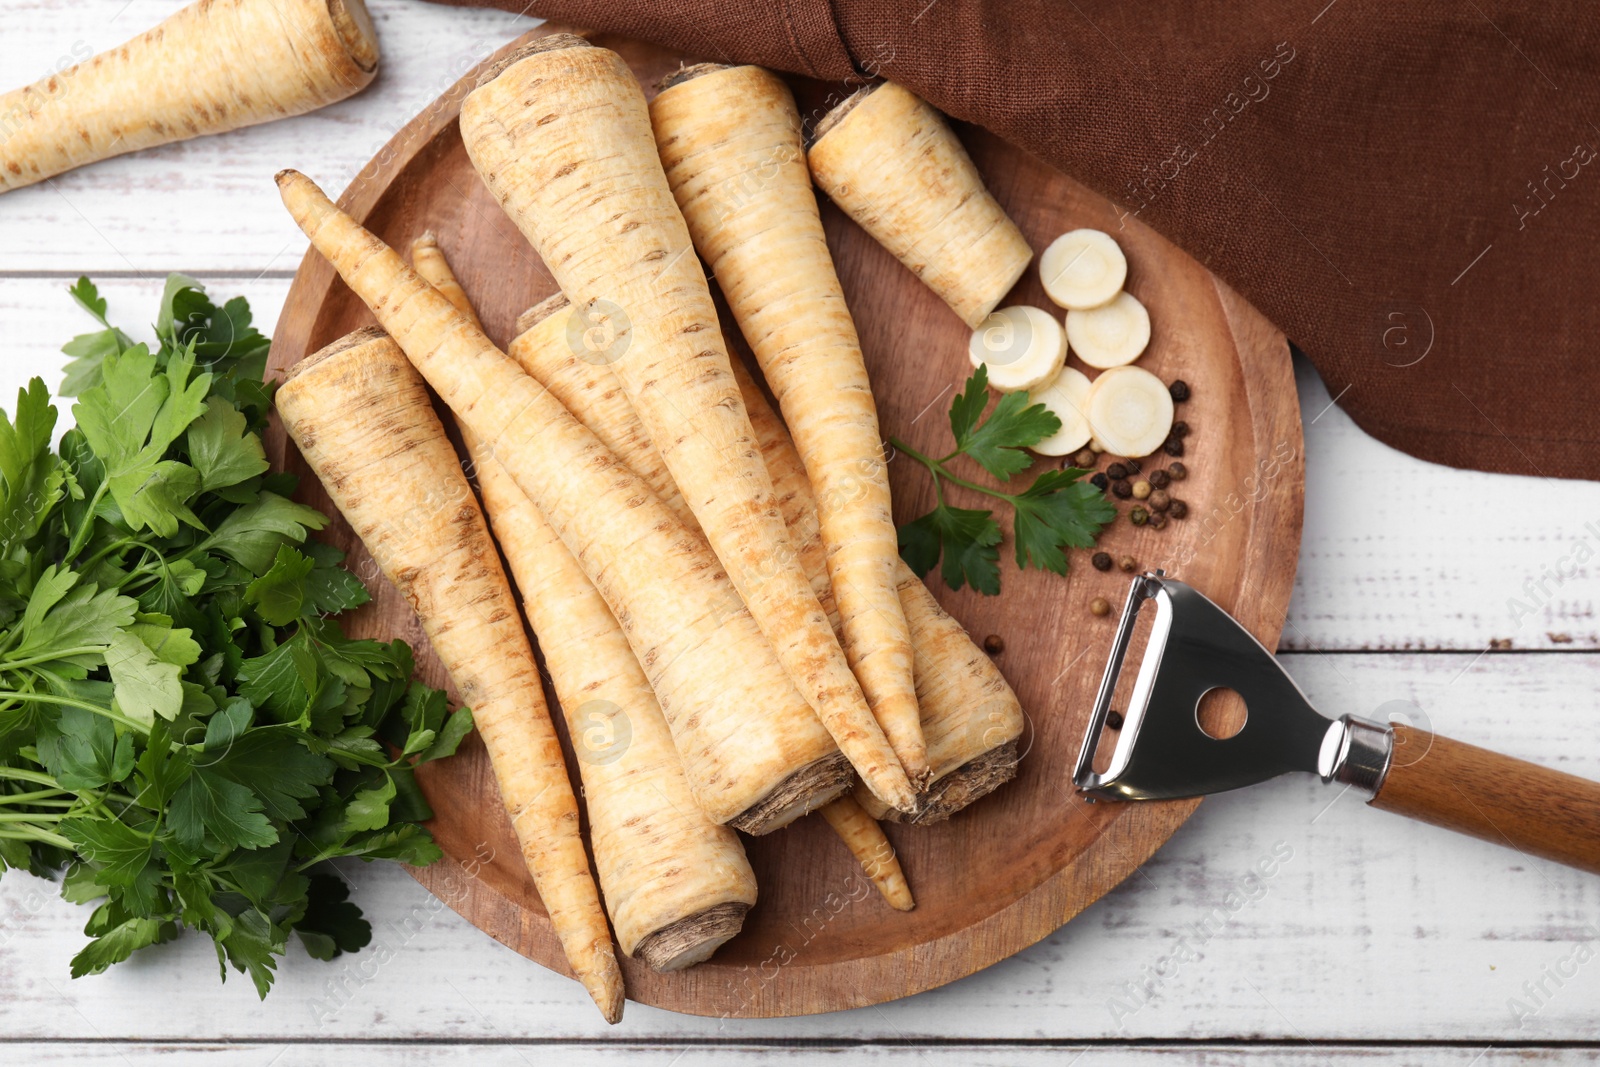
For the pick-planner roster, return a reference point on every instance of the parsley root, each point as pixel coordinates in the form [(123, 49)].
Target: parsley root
[(362, 418), (677, 885), (214, 66), (729, 140), (970, 716), (755, 754), (561, 135), (893, 164), (864, 837)]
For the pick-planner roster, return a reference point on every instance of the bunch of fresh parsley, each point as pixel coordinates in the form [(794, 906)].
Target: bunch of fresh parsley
[(183, 729), (1057, 511)]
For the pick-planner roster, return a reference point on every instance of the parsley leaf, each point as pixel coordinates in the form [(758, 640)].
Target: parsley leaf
[(183, 727), (1054, 513)]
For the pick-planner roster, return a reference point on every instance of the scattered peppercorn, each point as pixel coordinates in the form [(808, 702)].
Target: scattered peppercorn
[(1173, 446), (1177, 471), (1180, 429), (1083, 458), (1100, 481), (1116, 472), (994, 644), (1133, 465), (1160, 500), (1101, 561), (1178, 509), (1128, 564), (1099, 606), (1141, 489), (1179, 390), (1121, 489), (1138, 516), (1158, 520), (1114, 720), (1160, 479), (1096, 447)]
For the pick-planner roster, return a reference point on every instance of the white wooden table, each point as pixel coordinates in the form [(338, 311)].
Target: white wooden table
[(1378, 940)]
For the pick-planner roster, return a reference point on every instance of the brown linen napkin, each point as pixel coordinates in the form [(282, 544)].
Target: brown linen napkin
[(1411, 191)]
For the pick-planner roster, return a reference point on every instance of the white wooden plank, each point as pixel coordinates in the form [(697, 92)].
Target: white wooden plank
[(210, 203), (1397, 553), (1371, 928), (266, 1054)]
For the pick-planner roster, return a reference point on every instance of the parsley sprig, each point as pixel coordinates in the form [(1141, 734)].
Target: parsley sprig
[(1056, 512), (185, 732)]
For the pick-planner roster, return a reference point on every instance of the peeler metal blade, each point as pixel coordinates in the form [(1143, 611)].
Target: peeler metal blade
[(1161, 752)]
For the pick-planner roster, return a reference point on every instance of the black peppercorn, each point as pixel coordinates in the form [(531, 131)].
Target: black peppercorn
[(1158, 520), (1113, 720), (1138, 516), (1178, 472), (994, 644), (1180, 429), (1173, 446), (1178, 509), (1121, 489), (1133, 465), (1100, 481), (1179, 390), (1160, 479), (1101, 561), (1116, 472)]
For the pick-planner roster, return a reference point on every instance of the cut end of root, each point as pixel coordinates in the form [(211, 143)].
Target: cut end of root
[(833, 118), (690, 73), (803, 791), (969, 782), (354, 26), (554, 42), (354, 339), (539, 312), (287, 174), (693, 939)]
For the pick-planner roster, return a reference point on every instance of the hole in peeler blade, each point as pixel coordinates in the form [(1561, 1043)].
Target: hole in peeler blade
[(1221, 713)]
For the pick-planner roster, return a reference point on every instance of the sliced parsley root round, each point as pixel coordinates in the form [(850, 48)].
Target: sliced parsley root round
[(211, 67), (729, 139), (363, 420), (677, 885), (1130, 410), (560, 133), (756, 755)]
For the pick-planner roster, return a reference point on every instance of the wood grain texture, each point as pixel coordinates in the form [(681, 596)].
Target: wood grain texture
[(1021, 862), (265, 1054), (1471, 790), (1377, 928)]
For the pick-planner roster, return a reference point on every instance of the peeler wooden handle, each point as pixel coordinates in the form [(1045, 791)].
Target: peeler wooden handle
[(1507, 801)]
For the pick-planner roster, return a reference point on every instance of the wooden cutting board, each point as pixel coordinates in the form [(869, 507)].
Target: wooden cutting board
[(1015, 866)]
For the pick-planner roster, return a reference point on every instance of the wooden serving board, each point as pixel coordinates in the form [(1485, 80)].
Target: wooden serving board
[(1015, 866)]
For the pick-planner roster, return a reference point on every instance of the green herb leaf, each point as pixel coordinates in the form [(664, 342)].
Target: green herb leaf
[(966, 538), (145, 686), (222, 448), (115, 945), (279, 595), (211, 813), (1058, 511)]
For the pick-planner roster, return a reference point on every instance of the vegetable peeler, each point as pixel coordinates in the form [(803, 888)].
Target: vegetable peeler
[(1162, 752)]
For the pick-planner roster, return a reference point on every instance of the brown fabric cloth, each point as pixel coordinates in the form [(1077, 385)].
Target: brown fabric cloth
[(1410, 191)]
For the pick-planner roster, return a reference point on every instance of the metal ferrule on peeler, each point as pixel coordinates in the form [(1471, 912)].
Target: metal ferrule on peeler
[(1163, 753)]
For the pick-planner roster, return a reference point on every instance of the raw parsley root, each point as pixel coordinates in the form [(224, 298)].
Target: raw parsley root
[(1057, 511), (182, 728), (215, 65), (364, 422)]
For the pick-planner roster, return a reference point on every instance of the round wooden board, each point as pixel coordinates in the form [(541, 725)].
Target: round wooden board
[(1015, 866)]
